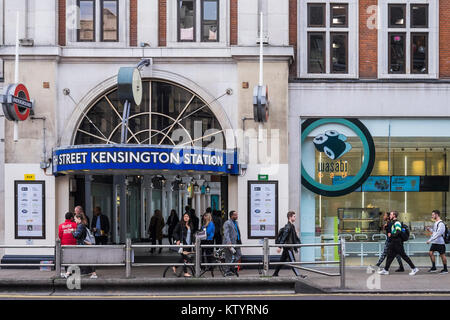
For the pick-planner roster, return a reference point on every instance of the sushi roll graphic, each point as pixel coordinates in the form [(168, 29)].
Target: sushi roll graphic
[(320, 142), (332, 143)]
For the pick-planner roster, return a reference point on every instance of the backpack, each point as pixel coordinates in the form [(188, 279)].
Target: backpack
[(405, 232), (446, 235), (89, 237), (279, 235)]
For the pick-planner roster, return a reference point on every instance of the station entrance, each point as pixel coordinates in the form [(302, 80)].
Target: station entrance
[(175, 156), (129, 201)]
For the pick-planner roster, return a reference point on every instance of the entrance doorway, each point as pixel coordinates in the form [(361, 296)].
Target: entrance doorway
[(130, 201)]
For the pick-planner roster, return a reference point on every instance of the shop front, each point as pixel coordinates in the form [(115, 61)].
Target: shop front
[(352, 174)]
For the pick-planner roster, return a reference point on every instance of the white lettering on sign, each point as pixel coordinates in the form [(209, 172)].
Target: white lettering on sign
[(103, 157)]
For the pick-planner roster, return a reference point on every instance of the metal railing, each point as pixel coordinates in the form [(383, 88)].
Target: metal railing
[(121, 256)]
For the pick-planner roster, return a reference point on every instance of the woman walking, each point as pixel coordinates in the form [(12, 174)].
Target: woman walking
[(184, 234), (208, 226), (80, 235)]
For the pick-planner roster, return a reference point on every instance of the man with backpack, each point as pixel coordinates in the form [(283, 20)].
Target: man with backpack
[(287, 235), (437, 241), (398, 233)]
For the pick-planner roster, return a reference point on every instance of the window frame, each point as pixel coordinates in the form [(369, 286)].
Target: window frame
[(346, 52), (202, 20), (404, 35), (94, 31), (194, 22), (392, 26), (352, 31), (433, 40), (426, 26), (426, 52), (102, 30), (331, 15), (324, 46), (324, 14)]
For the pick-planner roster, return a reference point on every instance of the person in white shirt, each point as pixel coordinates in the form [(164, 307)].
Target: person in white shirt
[(437, 242)]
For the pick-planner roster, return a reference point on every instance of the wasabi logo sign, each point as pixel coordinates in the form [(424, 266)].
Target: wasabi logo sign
[(334, 145)]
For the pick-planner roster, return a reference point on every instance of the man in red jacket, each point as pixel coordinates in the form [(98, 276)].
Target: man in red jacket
[(65, 230)]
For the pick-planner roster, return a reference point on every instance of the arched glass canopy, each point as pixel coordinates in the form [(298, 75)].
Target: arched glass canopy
[(168, 115)]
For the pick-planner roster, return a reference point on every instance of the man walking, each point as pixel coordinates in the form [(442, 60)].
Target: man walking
[(437, 242), (396, 246), (387, 227), (100, 227), (231, 235), (288, 236)]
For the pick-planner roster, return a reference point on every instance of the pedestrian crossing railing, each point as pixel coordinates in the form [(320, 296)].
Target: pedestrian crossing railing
[(122, 256), (365, 250)]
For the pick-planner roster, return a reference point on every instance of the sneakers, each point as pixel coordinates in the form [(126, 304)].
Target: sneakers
[(443, 271), (93, 276), (383, 271), (413, 271)]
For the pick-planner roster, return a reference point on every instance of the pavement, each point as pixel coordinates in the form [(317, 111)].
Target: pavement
[(148, 280)]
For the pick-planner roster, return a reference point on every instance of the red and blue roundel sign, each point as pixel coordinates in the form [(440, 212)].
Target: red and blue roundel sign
[(16, 102)]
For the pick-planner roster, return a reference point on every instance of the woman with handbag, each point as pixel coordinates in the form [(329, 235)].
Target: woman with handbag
[(209, 227), (80, 235), (184, 234)]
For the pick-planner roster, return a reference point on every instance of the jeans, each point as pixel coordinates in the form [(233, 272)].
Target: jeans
[(396, 248), (286, 255), (385, 253)]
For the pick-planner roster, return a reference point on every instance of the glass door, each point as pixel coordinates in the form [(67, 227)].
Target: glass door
[(134, 209)]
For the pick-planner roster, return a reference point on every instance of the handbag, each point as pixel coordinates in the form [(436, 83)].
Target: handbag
[(201, 235)]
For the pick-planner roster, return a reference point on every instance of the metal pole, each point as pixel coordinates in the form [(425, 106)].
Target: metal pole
[(128, 258), (266, 251), (58, 257), (342, 262), (197, 257)]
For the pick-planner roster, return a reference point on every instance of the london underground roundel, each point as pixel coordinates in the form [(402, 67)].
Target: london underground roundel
[(17, 105), (338, 155)]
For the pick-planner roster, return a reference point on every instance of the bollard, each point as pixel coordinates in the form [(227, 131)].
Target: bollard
[(266, 251), (342, 262), (197, 257), (58, 257), (128, 258)]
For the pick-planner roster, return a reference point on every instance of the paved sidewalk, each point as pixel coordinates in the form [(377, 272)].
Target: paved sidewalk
[(358, 280)]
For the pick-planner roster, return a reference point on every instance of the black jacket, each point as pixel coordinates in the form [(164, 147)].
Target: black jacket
[(104, 223), (289, 236), (180, 233), (80, 234)]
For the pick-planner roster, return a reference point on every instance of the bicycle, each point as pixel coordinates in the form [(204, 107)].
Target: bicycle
[(179, 270)]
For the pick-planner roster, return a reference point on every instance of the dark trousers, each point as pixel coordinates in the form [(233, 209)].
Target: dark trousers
[(101, 240), (286, 256), (385, 253), (396, 248), (154, 243)]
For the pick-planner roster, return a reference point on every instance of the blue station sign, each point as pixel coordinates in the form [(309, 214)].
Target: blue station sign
[(148, 157)]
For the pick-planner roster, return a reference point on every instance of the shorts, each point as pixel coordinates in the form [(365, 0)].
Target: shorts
[(438, 247)]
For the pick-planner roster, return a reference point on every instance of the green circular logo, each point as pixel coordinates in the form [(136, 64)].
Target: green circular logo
[(334, 145)]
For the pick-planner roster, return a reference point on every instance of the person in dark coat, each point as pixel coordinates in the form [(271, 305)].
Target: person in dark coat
[(218, 234), (184, 234), (172, 222), (100, 227), (80, 236), (195, 220), (156, 229)]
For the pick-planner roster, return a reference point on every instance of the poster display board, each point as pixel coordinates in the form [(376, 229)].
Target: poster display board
[(29, 209), (262, 209)]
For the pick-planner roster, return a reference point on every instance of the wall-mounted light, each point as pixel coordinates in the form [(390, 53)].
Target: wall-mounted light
[(196, 187), (208, 189)]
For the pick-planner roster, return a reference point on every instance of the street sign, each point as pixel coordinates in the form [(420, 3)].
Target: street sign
[(263, 177), (16, 102)]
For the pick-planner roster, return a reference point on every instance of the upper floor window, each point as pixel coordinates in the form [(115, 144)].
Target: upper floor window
[(86, 22), (97, 21), (198, 20), (408, 39), (328, 39)]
